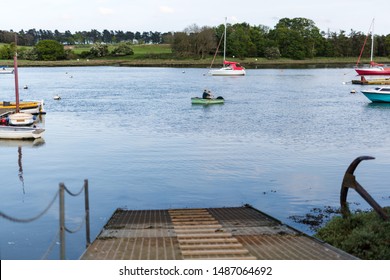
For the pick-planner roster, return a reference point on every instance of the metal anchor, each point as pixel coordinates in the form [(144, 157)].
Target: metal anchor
[(349, 181)]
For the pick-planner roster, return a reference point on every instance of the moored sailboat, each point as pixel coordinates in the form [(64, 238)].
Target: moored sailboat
[(374, 69), (19, 125), (229, 68), (18, 118), (6, 70)]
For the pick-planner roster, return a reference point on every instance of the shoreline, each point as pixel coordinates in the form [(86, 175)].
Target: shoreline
[(251, 63)]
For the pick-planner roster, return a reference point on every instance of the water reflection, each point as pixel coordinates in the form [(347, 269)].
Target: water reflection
[(20, 167), (20, 144), (376, 106)]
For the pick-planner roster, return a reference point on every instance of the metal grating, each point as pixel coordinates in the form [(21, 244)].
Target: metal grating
[(212, 233)]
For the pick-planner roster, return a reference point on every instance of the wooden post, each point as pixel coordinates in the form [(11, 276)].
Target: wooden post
[(62, 221), (87, 228)]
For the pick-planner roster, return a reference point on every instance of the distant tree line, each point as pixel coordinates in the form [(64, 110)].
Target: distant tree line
[(296, 38), (33, 36)]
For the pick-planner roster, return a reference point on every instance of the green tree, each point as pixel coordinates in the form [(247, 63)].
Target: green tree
[(6, 52), (28, 54), (272, 53), (238, 41), (99, 50), (49, 50), (204, 42), (181, 45), (387, 45), (297, 38), (258, 35), (122, 49)]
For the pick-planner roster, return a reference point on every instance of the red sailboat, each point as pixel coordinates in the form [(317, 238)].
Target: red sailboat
[(375, 69)]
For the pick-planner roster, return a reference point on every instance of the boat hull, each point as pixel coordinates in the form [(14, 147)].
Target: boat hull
[(6, 71), (379, 94), (32, 107), (21, 119), (227, 72), (373, 71), (197, 100), (20, 133), (377, 97)]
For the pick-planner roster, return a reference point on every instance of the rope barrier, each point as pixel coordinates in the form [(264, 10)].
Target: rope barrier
[(74, 194), (3, 215), (51, 246), (78, 228), (60, 234)]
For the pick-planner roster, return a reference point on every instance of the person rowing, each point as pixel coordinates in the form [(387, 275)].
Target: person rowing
[(207, 94)]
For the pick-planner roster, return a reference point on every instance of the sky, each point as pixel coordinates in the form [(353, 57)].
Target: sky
[(176, 15)]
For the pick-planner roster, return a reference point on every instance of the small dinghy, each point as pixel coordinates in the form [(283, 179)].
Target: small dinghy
[(207, 101)]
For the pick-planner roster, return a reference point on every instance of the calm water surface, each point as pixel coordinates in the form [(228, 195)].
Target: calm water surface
[(281, 142)]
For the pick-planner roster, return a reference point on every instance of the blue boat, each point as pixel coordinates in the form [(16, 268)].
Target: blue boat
[(378, 94)]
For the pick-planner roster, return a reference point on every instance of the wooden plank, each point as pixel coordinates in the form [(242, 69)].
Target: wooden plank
[(200, 257), (195, 223), (193, 217), (200, 235), (186, 211), (208, 240), (234, 245), (190, 219), (215, 252), (213, 226), (200, 230)]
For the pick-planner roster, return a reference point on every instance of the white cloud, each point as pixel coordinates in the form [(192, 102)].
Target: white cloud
[(66, 17), (106, 11), (166, 10)]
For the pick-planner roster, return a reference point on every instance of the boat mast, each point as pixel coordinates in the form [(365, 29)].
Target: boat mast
[(365, 41), (224, 44), (16, 77), (372, 40)]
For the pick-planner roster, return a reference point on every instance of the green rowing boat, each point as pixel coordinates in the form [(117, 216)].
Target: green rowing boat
[(197, 100)]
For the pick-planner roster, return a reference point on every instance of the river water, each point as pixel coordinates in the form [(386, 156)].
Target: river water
[(281, 143)]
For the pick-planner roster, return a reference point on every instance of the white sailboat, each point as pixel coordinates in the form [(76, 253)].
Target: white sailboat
[(18, 118), (20, 132), (19, 124), (229, 68), (6, 70)]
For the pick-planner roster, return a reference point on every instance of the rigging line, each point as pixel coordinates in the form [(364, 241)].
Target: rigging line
[(30, 219), (365, 41), (212, 62)]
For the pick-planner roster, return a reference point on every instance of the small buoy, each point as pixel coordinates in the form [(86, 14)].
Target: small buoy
[(353, 91), (183, 72), (25, 87), (56, 97)]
